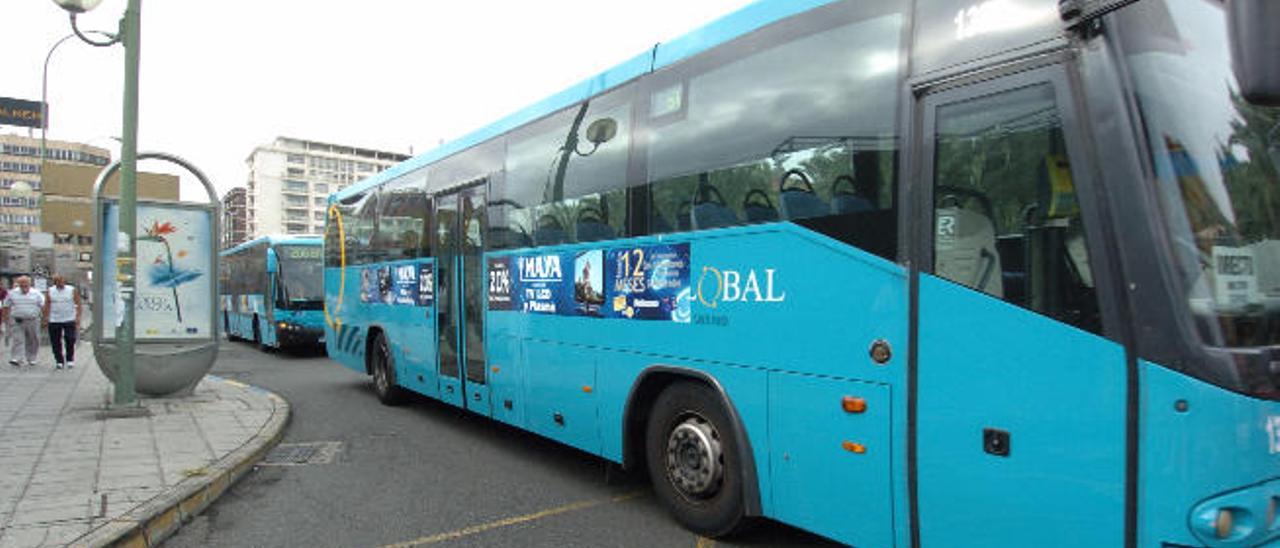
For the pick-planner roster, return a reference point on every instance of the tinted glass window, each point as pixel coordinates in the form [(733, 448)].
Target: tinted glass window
[(301, 280), (404, 215), (354, 219), (560, 173), (1216, 159), (789, 124), (332, 240), (1006, 215)]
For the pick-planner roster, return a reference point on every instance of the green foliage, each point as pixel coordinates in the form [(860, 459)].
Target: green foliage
[(1252, 182)]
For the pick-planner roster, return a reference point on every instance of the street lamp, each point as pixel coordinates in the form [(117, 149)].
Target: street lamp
[(129, 35), (44, 91)]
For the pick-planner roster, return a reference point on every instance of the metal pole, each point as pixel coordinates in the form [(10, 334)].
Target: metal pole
[(44, 101), (130, 32), (44, 89)]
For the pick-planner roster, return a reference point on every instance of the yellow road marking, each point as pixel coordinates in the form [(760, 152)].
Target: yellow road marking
[(507, 522), (704, 542)]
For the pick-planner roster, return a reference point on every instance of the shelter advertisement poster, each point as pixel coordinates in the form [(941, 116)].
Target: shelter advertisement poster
[(174, 278)]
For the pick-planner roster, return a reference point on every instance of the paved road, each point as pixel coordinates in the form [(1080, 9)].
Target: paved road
[(426, 474)]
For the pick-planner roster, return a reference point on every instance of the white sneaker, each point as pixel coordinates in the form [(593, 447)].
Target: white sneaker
[(31, 363), (58, 365), (71, 364)]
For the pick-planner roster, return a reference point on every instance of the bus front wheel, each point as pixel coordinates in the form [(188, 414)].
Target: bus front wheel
[(384, 375), (692, 456)]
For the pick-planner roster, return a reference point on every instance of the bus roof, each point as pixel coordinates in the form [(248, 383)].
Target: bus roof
[(733, 25), (273, 240)]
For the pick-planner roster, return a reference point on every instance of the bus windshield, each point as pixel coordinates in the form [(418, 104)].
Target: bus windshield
[(301, 275), (1215, 158)]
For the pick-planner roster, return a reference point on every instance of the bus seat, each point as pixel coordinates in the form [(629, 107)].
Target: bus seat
[(1013, 262), (502, 237), (801, 204), (589, 231), (757, 207), (848, 203), (593, 224), (710, 215), (550, 232), (684, 216), (709, 208), (965, 250), (846, 198), (799, 201)]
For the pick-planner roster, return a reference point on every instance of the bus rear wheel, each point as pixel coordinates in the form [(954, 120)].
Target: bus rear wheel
[(692, 455), (384, 374)]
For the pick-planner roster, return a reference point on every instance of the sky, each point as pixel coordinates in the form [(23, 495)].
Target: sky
[(220, 77)]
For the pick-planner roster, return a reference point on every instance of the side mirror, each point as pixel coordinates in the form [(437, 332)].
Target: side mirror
[(602, 131), (1255, 47)]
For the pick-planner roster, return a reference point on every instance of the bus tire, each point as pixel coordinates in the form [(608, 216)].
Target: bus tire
[(693, 459), (384, 372)]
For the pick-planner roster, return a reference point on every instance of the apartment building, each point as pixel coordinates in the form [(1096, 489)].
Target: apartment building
[(235, 218), (291, 179)]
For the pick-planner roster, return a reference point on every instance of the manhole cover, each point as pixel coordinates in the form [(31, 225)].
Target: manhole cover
[(301, 454)]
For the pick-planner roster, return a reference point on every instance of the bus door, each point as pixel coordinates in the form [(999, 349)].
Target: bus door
[(460, 294), (265, 329), (1020, 396)]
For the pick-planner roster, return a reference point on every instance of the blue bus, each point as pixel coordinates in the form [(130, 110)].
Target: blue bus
[(272, 292), (940, 273)]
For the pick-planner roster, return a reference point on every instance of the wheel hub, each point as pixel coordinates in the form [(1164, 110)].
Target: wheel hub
[(694, 458)]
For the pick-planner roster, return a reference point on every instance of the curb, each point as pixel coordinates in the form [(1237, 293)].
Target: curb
[(151, 522)]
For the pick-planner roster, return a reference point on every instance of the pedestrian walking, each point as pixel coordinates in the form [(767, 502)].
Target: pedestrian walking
[(62, 311), (25, 306)]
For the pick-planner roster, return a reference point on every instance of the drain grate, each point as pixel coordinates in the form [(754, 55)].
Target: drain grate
[(302, 454)]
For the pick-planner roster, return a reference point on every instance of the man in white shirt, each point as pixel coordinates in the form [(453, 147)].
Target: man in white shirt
[(25, 306), (62, 309)]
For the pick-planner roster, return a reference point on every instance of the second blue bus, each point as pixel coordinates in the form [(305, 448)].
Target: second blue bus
[(272, 292)]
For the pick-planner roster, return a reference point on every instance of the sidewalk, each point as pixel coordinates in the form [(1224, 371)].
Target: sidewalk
[(70, 477)]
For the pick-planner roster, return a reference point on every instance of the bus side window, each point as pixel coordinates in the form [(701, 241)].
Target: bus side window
[(812, 142), (1006, 218), (404, 213), (360, 226), (570, 170)]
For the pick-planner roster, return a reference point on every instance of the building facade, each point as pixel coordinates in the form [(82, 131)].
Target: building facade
[(291, 179), (24, 246), (20, 184), (235, 218), (66, 212)]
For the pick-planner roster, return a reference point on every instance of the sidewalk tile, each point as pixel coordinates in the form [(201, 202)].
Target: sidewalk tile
[(52, 516), (60, 458)]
